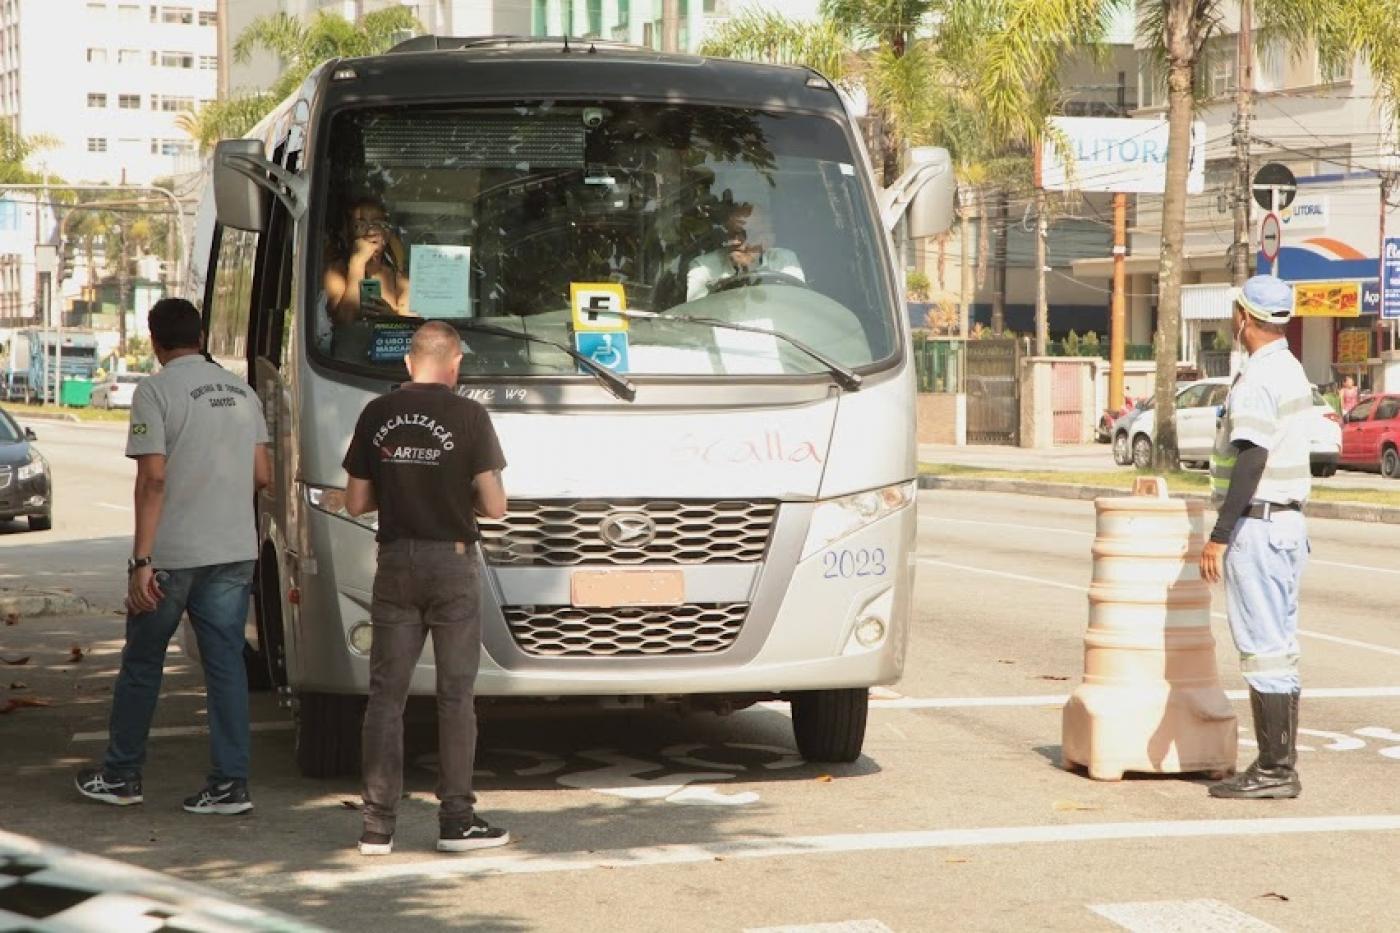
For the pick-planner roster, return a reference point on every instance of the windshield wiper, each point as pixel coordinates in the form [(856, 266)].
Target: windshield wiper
[(845, 377), (618, 385)]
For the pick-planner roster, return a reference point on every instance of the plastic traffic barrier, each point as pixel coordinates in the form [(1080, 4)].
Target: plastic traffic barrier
[(1151, 698)]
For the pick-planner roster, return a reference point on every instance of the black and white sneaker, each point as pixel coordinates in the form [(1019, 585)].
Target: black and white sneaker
[(376, 843), (108, 788), (461, 836), (226, 798)]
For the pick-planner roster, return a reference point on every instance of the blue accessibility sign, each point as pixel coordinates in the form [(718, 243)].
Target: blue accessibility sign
[(606, 349), (1390, 278)]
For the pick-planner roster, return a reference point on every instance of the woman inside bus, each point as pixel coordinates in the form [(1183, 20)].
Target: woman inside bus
[(365, 273)]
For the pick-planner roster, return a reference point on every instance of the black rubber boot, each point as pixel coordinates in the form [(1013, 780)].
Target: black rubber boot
[(1272, 775)]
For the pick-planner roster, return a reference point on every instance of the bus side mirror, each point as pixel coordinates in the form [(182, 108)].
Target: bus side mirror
[(245, 182), (924, 194)]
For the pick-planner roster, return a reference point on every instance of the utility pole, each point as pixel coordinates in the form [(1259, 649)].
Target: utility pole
[(1390, 177), (670, 26), (224, 46), (999, 264), (121, 295), (1042, 300), (965, 270), (1118, 320), (1244, 99)]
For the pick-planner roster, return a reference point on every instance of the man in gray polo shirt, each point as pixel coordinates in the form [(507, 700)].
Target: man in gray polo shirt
[(200, 444)]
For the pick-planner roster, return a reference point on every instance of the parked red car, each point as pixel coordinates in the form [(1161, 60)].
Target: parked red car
[(1371, 435)]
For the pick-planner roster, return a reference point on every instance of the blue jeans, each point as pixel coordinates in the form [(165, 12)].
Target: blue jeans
[(1263, 573), (217, 599)]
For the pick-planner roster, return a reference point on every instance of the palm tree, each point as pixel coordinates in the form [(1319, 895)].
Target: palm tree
[(302, 47), (16, 150), (901, 65), (873, 43)]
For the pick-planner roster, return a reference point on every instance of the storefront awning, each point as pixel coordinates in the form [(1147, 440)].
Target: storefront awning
[(1206, 302)]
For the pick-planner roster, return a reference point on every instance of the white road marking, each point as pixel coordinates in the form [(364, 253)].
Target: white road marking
[(1003, 574), (115, 507), (1361, 567), (1379, 732), (1200, 916), (167, 732), (1089, 534), (781, 847), (845, 926), (985, 524), (1320, 636), (1336, 639)]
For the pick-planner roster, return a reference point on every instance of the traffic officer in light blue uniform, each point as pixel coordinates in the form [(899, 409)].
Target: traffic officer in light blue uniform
[(1260, 479)]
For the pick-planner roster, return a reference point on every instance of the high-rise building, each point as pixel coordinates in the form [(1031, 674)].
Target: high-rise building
[(105, 81)]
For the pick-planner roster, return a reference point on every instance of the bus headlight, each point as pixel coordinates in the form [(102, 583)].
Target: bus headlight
[(361, 637), (834, 519), (331, 500)]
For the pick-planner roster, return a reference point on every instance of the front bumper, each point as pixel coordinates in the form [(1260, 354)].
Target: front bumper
[(23, 497), (799, 633)]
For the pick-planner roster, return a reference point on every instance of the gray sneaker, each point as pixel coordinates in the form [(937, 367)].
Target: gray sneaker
[(98, 784)]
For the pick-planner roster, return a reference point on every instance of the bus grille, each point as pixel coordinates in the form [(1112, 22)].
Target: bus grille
[(629, 632), (566, 533)]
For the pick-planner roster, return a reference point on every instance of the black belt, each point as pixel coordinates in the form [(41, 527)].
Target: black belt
[(1265, 509)]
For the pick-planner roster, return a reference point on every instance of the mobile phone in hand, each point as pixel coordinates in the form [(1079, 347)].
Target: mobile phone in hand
[(370, 289)]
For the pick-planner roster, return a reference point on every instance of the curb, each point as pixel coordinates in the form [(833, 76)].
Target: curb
[(32, 603), (22, 415), (1341, 511)]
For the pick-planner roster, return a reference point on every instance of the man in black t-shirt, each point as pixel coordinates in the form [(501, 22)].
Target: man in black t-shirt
[(429, 461)]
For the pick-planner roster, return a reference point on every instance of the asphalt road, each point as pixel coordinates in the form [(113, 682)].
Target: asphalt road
[(86, 549), (957, 817)]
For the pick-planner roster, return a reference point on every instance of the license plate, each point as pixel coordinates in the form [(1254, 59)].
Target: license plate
[(609, 589)]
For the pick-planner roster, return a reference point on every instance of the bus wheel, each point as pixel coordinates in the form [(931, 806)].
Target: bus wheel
[(328, 734), (830, 724), (265, 663)]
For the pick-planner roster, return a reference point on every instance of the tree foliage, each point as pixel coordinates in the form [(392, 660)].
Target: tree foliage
[(301, 46), (15, 152)]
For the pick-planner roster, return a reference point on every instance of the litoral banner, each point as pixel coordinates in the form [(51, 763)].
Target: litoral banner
[(1120, 155)]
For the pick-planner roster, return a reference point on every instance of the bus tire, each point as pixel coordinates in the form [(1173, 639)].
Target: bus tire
[(328, 734), (265, 663), (829, 725)]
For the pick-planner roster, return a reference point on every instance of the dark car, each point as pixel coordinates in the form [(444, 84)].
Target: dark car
[(24, 477)]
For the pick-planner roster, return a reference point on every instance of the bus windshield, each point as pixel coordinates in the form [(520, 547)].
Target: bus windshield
[(515, 214)]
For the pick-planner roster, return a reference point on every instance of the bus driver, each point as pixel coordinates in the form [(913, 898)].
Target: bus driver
[(745, 250)]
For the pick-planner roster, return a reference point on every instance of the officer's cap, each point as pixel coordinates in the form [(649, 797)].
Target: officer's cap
[(1266, 298)]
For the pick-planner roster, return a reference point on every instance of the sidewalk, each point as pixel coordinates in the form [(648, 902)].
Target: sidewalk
[(1094, 458), (1074, 458)]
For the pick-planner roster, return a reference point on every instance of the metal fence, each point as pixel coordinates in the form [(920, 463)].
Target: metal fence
[(1132, 351), (938, 364)]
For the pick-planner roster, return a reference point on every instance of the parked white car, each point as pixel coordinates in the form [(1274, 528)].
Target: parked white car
[(116, 390), (1198, 407)]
